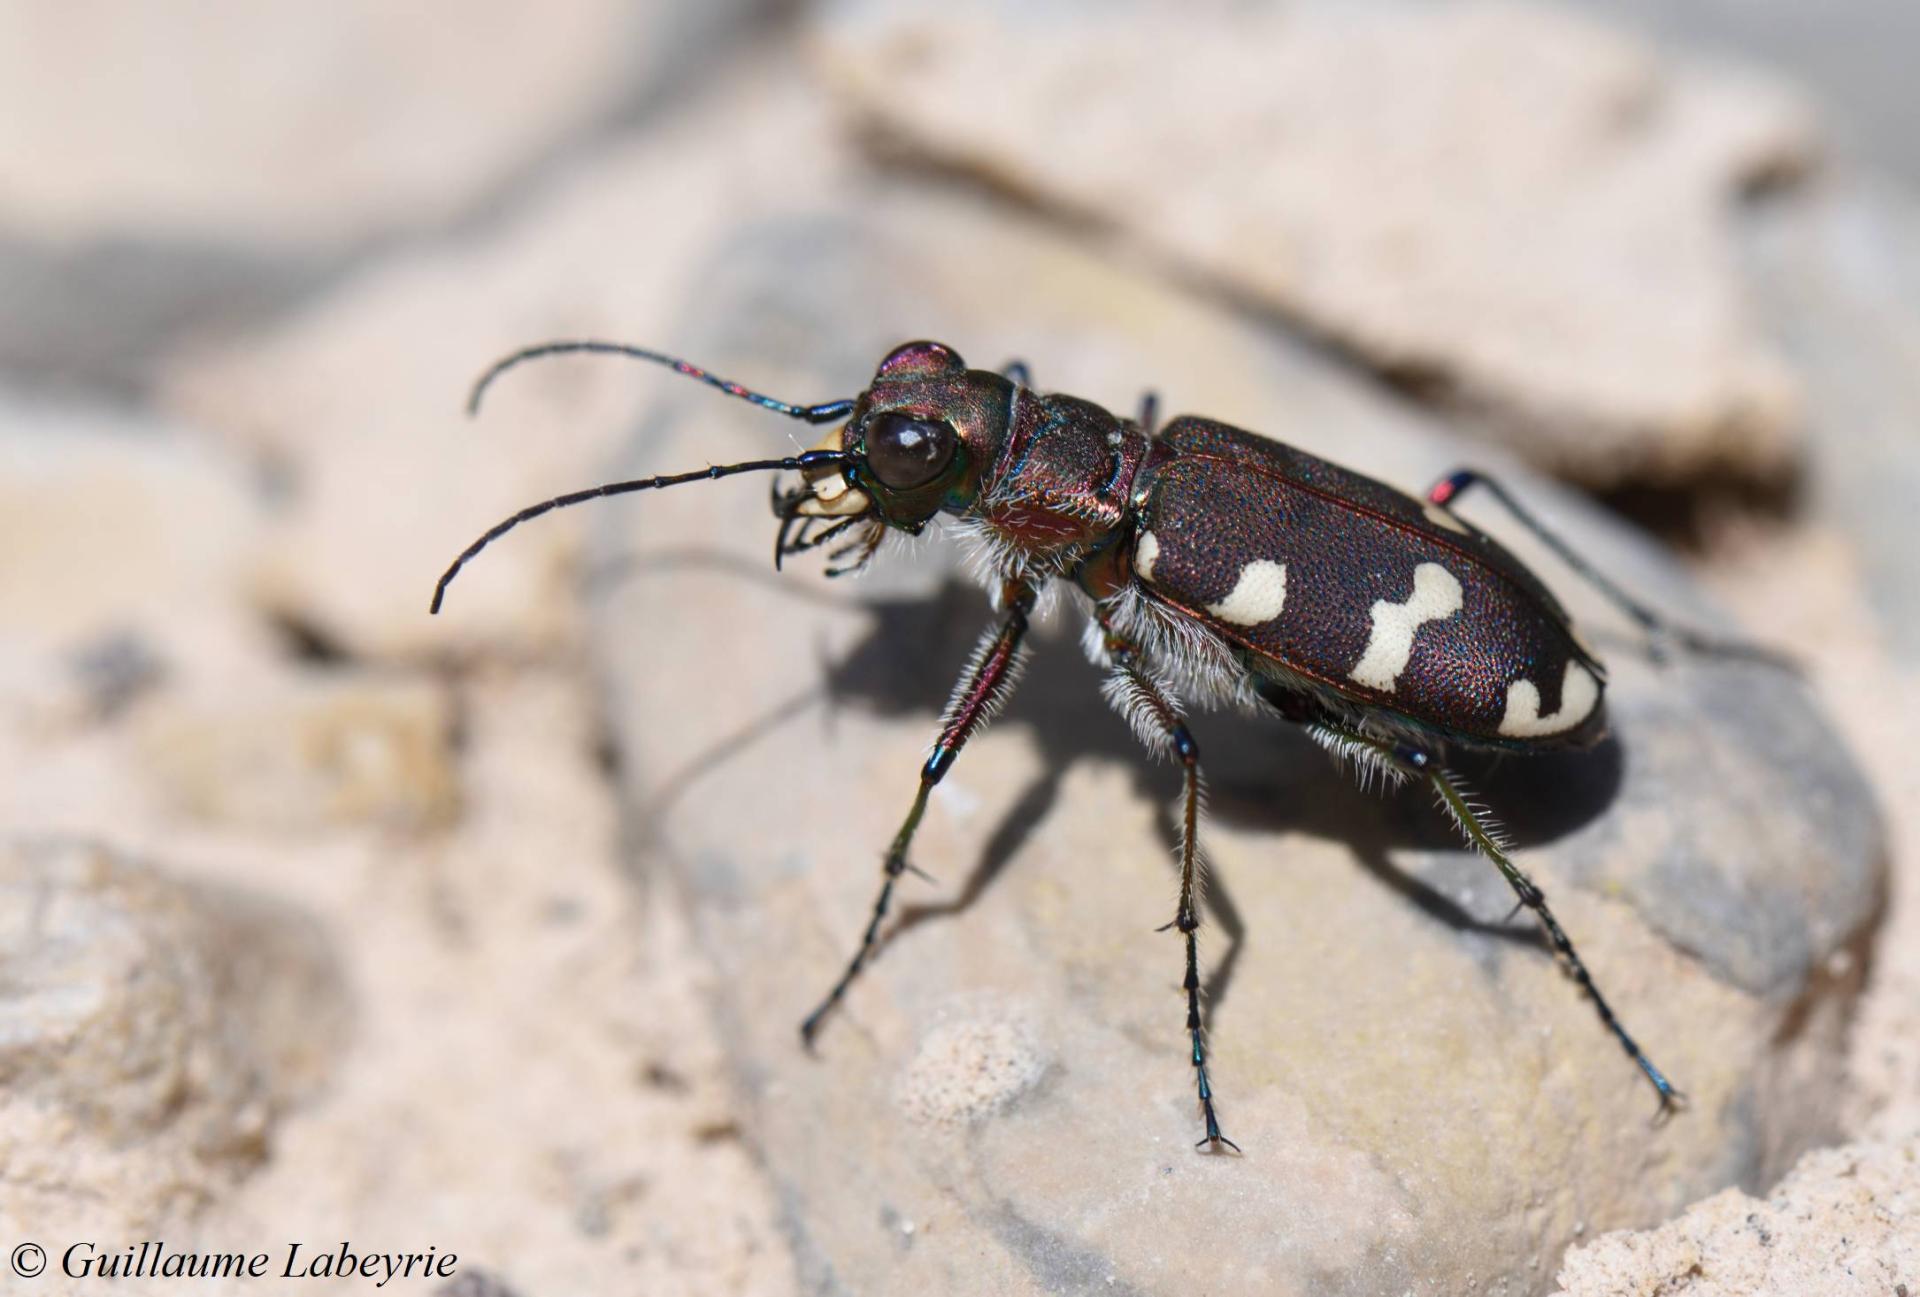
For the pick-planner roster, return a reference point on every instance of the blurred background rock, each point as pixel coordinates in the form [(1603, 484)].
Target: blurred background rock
[(323, 919)]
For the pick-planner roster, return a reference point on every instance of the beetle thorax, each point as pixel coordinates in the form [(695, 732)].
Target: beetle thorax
[(1062, 479)]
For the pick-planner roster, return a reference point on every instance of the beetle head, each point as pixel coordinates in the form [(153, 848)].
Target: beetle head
[(919, 441), (914, 444)]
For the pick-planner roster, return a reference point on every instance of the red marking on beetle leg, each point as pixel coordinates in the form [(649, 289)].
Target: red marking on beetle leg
[(1446, 488)]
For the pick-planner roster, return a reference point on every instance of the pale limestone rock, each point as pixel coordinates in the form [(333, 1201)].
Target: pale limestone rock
[(1423, 1102), (535, 1083), (1837, 277), (292, 127), (1509, 205), (122, 529), (152, 1033), (1846, 1223), (311, 752)]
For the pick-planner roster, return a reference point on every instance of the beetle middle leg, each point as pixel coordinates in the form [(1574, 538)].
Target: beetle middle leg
[(987, 681), (1136, 695), (1408, 761), (1659, 629)]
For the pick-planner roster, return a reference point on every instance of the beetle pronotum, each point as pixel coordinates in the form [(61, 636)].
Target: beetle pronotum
[(1218, 567)]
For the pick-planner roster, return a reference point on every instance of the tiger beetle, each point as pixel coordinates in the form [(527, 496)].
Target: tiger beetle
[(1219, 568)]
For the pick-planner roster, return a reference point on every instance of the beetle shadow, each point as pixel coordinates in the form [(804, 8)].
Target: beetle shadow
[(1264, 775)]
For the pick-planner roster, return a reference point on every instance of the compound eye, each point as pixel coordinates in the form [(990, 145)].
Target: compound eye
[(905, 452)]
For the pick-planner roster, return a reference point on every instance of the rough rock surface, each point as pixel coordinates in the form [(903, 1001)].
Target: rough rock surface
[(532, 1083), (1837, 589), (534, 1086), (1506, 203), (152, 1031), (1425, 1102), (1846, 1223)]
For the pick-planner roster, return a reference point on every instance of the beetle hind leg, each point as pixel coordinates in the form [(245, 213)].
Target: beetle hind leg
[(1485, 836), (1658, 628), (1147, 706)]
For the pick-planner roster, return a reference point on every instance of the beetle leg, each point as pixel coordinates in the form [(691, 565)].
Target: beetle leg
[(1659, 629), (1145, 702), (1485, 836), (1149, 412), (988, 680)]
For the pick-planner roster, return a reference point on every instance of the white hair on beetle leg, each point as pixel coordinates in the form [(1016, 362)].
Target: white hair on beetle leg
[(1147, 703), (964, 686), (1471, 815), (1191, 655), (1367, 762), (1093, 642)]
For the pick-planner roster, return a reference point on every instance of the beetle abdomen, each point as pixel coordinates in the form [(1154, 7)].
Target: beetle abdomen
[(1360, 589)]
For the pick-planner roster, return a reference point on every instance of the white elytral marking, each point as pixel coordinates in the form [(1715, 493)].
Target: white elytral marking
[(1146, 551), (1258, 596), (1436, 594), (1442, 517), (1579, 691)]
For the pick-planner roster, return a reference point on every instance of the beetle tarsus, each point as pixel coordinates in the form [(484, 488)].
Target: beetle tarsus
[(1672, 1103), (1215, 1141)]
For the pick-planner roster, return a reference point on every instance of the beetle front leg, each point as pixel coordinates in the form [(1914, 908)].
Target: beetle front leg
[(989, 678), (1659, 629), (1155, 717), (1408, 761)]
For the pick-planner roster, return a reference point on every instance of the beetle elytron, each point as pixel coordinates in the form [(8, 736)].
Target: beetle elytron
[(1220, 567)]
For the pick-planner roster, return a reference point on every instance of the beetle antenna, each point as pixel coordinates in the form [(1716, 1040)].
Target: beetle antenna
[(811, 460), (825, 412)]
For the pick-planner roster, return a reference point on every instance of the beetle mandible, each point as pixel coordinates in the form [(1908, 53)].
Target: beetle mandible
[(1220, 568)]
